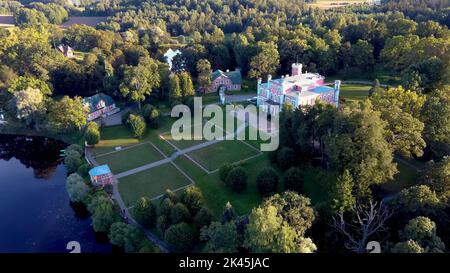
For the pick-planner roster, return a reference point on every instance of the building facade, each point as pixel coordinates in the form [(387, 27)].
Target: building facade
[(298, 89), (99, 105), (228, 80)]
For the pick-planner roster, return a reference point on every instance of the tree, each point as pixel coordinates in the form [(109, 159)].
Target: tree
[(187, 87), (204, 73), (145, 212), (237, 179), (376, 87), (224, 170), (362, 56), (27, 104), (401, 109), (293, 180), (294, 208), (139, 81), (417, 200), (438, 177), (409, 246), (137, 125), (268, 232), (179, 213), (266, 61), (162, 223), (420, 237), (25, 82), (180, 237), (151, 115), (72, 160), (436, 116), (165, 208), (366, 222), (76, 188), (127, 236), (92, 133), (103, 217), (203, 217), (285, 158), (67, 114), (220, 238), (29, 18), (193, 199), (175, 88), (267, 181), (340, 197), (357, 143)]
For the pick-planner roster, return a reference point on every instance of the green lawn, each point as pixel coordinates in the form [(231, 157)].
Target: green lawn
[(130, 158), (112, 137), (216, 155), (354, 92), (151, 183), (405, 178)]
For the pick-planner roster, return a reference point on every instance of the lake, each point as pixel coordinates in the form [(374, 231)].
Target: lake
[(35, 212)]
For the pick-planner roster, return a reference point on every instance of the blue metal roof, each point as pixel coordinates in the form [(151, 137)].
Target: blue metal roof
[(100, 170), (322, 89)]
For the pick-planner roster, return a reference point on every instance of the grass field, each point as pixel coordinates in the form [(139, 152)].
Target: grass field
[(130, 158), (112, 137), (354, 92), (151, 183), (216, 155)]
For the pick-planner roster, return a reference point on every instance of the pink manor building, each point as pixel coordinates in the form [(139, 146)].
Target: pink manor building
[(298, 89)]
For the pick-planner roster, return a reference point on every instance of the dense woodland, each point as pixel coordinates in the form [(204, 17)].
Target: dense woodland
[(407, 42)]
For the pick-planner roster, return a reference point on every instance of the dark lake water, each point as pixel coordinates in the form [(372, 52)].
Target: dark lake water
[(35, 212)]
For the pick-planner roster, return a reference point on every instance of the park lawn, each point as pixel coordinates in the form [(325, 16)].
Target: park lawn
[(354, 92), (130, 158), (406, 177), (217, 195), (218, 154), (151, 183), (112, 137)]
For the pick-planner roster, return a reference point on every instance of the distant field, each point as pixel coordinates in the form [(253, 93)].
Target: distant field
[(83, 20), (8, 21), (329, 4)]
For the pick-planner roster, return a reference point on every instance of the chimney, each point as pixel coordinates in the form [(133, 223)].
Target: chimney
[(259, 80), (269, 78), (296, 69)]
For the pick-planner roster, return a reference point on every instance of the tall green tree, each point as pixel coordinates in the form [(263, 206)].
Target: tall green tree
[(340, 196), (204, 73), (401, 109), (220, 238), (139, 81), (66, 114), (266, 61)]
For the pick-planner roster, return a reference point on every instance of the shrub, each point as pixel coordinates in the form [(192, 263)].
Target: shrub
[(285, 158), (203, 218), (92, 133), (180, 237), (75, 147), (72, 161), (237, 179), (137, 125), (193, 199), (83, 170), (145, 212), (293, 180), (179, 213), (223, 172), (76, 188), (267, 181), (127, 236), (162, 223), (151, 115)]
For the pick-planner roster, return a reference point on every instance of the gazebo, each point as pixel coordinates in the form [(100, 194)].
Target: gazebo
[(101, 176)]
